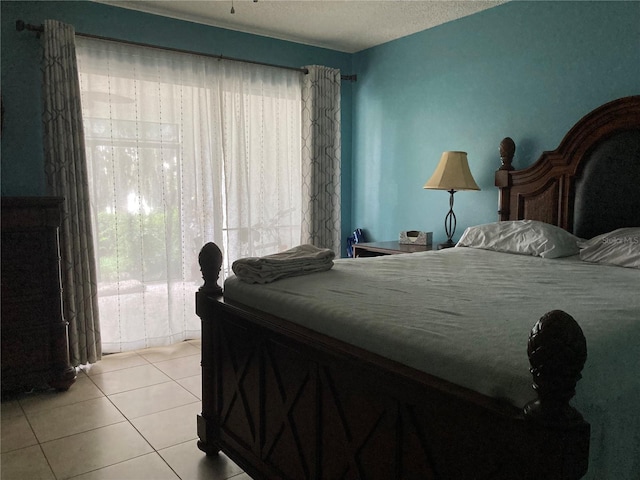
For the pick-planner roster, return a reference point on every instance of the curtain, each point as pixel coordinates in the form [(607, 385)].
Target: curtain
[(66, 175), (182, 150), (321, 158)]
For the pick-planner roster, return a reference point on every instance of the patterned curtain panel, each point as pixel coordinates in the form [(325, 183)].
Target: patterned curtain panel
[(66, 175), (321, 158)]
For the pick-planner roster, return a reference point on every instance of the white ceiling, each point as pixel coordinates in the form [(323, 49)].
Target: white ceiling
[(343, 25)]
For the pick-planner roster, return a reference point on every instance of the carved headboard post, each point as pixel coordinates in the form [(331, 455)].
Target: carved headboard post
[(503, 177)]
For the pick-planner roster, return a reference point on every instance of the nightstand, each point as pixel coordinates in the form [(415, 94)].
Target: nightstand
[(375, 249)]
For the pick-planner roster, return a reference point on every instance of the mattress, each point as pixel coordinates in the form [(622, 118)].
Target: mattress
[(465, 314)]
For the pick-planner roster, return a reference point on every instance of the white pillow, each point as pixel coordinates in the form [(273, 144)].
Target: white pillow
[(620, 247), (526, 237)]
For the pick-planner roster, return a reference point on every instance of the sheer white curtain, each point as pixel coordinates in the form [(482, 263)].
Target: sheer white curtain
[(182, 150)]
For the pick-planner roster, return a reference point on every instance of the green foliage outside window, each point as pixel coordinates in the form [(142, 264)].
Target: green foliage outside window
[(136, 246)]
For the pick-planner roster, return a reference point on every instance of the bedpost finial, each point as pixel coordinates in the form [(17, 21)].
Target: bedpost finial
[(507, 151), (210, 259), (557, 352)]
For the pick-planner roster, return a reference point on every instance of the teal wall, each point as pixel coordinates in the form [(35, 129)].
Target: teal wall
[(528, 70), (22, 151)]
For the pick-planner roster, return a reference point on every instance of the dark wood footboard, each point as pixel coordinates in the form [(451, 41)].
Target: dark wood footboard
[(285, 402)]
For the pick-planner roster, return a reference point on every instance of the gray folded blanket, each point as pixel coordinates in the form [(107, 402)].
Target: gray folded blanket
[(299, 260)]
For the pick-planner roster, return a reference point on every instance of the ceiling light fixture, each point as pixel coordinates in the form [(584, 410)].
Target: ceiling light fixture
[(233, 10)]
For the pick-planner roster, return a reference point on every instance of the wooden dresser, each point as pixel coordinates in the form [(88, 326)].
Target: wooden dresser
[(35, 346)]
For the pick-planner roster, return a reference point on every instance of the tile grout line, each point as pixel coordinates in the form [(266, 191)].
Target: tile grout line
[(137, 430), (176, 381)]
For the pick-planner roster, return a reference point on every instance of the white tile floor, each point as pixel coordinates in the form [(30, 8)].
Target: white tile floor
[(131, 416)]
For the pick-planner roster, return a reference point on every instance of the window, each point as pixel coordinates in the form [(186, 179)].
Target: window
[(182, 150)]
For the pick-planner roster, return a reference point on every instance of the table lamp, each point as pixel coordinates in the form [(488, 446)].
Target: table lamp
[(452, 174)]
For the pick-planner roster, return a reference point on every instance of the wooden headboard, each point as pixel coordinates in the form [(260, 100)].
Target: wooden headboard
[(590, 184)]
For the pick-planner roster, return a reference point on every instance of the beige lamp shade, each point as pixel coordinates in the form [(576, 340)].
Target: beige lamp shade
[(452, 173)]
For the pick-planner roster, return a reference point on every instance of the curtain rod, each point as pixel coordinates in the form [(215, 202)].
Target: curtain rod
[(20, 26)]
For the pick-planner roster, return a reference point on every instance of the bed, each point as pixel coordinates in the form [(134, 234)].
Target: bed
[(429, 378)]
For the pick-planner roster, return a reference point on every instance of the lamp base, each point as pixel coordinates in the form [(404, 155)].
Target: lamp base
[(447, 244), (449, 224)]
